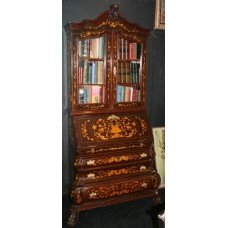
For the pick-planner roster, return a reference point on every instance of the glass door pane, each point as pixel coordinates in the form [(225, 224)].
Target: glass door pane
[(91, 70), (128, 71)]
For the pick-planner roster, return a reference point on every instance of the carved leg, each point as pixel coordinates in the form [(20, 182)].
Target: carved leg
[(73, 218)]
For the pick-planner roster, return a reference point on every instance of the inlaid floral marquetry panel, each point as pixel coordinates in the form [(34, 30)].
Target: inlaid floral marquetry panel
[(108, 191), (113, 127)]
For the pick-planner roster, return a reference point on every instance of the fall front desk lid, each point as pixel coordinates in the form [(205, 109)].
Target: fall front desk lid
[(108, 128)]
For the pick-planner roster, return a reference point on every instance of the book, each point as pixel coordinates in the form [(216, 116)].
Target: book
[(95, 94), (119, 73), (122, 72), (81, 94), (85, 71), (119, 49), (127, 66), (126, 49), (97, 48), (90, 73), (100, 69), (122, 48)]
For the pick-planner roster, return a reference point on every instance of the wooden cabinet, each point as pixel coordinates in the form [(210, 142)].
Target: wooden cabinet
[(111, 144)]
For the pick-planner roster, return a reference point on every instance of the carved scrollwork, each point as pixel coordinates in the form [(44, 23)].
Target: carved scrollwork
[(114, 11), (92, 106), (76, 195)]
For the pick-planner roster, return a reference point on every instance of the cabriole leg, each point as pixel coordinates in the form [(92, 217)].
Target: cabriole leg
[(73, 218)]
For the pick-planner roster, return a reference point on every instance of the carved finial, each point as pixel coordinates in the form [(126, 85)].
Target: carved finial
[(114, 11)]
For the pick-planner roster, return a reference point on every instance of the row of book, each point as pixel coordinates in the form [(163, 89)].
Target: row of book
[(93, 48), (91, 94), (128, 72), (90, 72), (127, 94), (127, 50)]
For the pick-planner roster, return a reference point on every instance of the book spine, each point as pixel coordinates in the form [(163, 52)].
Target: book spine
[(135, 50), (79, 75), (122, 72), (81, 94), (119, 49), (126, 49), (131, 75), (95, 73), (79, 48), (103, 94), (126, 72), (131, 93), (133, 72), (85, 73), (122, 48), (85, 49), (119, 73), (90, 72), (99, 73), (138, 73)]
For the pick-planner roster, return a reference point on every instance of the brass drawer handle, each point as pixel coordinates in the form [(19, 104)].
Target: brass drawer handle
[(113, 117), (143, 155), (91, 162), (142, 167), (144, 184), (91, 175), (92, 195)]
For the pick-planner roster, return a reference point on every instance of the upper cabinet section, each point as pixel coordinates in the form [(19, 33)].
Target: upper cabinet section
[(106, 64)]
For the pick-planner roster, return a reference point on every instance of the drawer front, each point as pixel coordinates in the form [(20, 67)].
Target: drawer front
[(115, 172), (108, 190), (85, 162), (110, 129), (134, 146)]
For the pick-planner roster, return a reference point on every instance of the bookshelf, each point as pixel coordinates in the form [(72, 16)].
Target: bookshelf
[(111, 152)]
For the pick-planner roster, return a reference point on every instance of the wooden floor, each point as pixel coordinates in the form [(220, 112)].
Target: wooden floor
[(134, 214)]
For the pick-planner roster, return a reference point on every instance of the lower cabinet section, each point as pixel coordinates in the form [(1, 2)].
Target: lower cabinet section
[(102, 191)]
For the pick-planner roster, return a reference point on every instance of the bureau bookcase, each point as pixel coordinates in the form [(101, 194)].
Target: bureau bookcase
[(110, 145)]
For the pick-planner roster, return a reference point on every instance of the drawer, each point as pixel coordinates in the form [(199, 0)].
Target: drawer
[(112, 172), (132, 146), (110, 129), (110, 190), (113, 159)]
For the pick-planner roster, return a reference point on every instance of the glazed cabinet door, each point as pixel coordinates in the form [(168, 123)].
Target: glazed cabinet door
[(129, 71), (91, 72)]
